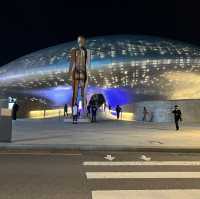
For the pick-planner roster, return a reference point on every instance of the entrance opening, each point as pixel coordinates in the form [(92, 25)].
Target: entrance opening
[(98, 100)]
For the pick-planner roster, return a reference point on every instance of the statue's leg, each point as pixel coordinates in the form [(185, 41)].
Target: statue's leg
[(85, 91), (83, 95), (75, 91)]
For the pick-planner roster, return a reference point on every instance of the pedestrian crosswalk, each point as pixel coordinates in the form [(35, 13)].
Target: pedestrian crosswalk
[(151, 179)]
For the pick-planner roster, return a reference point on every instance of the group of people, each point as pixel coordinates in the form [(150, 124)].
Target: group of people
[(177, 116), (91, 112), (75, 112)]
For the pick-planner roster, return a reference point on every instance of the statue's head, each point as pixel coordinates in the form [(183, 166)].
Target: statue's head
[(81, 41)]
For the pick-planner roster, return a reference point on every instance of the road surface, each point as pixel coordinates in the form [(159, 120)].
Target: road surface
[(88, 175)]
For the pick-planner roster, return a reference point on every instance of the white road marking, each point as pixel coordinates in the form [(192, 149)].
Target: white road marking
[(142, 163), (132, 175), (147, 194), (145, 158), (109, 157)]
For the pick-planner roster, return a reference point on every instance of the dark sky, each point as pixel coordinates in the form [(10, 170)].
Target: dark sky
[(30, 25)]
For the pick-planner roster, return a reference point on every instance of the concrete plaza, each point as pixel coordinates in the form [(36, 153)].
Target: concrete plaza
[(107, 134)]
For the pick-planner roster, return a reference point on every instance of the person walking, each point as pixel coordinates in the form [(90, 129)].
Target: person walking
[(104, 107), (75, 113), (66, 110), (15, 109), (177, 116), (109, 108), (145, 113), (94, 113), (118, 111), (88, 110)]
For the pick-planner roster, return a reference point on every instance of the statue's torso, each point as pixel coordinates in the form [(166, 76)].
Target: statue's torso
[(79, 59)]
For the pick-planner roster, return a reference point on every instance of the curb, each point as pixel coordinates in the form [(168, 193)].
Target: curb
[(60, 148)]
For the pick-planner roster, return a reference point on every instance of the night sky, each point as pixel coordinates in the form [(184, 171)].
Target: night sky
[(30, 25)]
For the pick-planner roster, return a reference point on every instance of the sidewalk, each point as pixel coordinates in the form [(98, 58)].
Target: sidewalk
[(104, 135)]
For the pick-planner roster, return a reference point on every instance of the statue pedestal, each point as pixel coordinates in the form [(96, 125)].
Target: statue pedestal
[(83, 118), (80, 120)]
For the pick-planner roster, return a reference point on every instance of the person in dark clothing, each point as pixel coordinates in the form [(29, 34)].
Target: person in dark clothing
[(65, 110), (177, 116), (104, 108), (88, 110), (110, 108), (118, 111), (15, 110), (145, 113), (94, 113)]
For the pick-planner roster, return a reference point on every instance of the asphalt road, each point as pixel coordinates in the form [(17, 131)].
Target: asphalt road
[(87, 175)]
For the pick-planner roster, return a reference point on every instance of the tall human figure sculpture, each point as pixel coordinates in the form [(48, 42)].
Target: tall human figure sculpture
[(79, 62)]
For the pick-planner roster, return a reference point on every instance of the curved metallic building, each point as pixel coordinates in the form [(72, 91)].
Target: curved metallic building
[(124, 68)]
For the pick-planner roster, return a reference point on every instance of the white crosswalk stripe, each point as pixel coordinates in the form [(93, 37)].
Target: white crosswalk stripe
[(144, 193), (147, 194), (142, 163), (128, 175)]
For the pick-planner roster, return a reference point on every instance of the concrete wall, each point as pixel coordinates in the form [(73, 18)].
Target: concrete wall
[(160, 111)]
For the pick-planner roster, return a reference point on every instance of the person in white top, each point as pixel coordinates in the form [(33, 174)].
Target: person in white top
[(75, 113)]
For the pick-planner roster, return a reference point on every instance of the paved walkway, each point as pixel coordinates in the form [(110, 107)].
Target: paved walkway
[(110, 134)]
